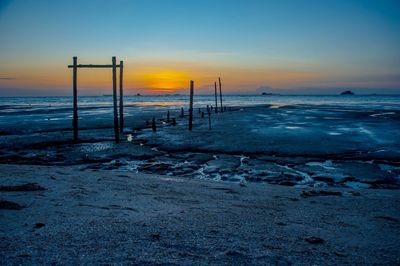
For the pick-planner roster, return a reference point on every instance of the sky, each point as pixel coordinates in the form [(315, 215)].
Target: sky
[(284, 46)]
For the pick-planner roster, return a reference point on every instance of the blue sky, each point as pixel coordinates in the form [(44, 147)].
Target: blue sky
[(283, 44)]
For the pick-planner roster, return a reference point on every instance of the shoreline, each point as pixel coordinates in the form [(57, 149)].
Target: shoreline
[(290, 145)]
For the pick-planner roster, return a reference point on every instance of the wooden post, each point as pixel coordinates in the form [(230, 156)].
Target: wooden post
[(168, 116), (173, 121), (75, 98), (121, 97), (216, 98), (220, 94), (191, 105), (114, 77), (153, 125), (209, 117), (182, 112)]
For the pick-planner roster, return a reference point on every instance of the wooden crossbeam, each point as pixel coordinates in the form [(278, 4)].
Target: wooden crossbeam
[(92, 66)]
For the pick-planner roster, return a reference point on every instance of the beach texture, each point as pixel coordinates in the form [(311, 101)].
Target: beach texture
[(104, 217)]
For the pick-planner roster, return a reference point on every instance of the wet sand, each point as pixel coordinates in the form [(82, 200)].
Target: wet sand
[(290, 145), (113, 217)]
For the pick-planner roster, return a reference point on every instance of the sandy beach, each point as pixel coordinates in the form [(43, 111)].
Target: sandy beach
[(114, 217)]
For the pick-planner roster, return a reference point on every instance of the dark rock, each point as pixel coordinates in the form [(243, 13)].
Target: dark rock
[(287, 183), (9, 205), (339, 254), (323, 179), (314, 240), (387, 218), (349, 179), (156, 236), (314, 193), (24, 187), (233, 253), (39, 225)]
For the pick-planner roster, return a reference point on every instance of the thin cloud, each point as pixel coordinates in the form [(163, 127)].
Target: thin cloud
[(7, 78)]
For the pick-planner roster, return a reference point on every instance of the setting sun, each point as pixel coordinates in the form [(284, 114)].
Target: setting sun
[(166, 80)]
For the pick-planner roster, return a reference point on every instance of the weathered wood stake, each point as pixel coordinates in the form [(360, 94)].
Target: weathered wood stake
[(216, 98), (75, 96), (114, 76), (182, 112), (121, 97), (209, 117), (220, 94), (168, 116), (191, 105), (153, 125)]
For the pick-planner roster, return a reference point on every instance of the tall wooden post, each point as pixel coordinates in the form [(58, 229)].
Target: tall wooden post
[(153, 125), (191, 105), (121, 97), (114, 76), (216, 98), (220, 94), (75, 97), (209, 117)]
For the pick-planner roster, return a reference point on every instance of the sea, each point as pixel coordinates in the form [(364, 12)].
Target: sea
[(24, 112)]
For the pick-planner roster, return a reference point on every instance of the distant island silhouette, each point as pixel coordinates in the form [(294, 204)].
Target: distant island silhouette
[(347, 93)]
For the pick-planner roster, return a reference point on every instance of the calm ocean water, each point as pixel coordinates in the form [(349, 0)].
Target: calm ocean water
[(37, 113), (11, 104)]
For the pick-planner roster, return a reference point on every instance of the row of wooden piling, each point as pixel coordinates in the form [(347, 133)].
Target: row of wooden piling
[(182, 114), (172, 120)]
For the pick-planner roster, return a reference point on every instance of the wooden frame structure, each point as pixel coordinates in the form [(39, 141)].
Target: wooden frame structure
[(117, 127)]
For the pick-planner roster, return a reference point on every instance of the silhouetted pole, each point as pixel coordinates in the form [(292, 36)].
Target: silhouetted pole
[(216, 98), (153, 125), (191, 105), (220, 94), (168, 116), (182, 112), (114, 77), (75, 98), (121, 97), (209, 117)]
